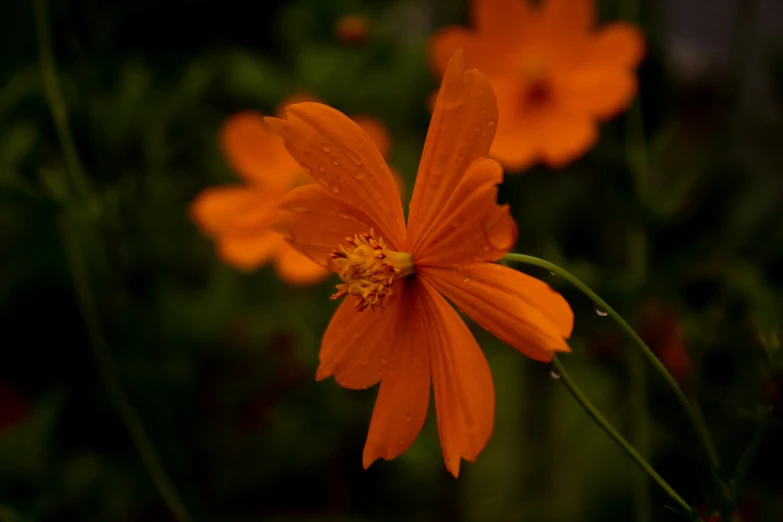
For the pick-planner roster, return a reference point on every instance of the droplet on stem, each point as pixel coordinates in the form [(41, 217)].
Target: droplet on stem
[(600, 312)]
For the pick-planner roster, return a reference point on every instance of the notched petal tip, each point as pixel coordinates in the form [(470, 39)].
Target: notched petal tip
[(276, 124)]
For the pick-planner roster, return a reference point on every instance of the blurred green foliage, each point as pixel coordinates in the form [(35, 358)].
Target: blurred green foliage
[(220, 364)]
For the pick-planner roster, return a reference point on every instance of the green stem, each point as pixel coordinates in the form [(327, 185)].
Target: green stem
[(609, 429), (111, 380), (54, 97), (696, 422)]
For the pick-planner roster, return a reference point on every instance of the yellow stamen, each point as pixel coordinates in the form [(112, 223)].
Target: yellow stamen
[(368, 268)]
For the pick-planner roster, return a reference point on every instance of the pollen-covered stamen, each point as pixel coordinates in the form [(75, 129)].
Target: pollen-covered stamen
[(368, 268)]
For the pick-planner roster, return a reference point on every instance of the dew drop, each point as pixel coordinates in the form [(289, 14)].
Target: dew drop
[(478, 129), (335, 187), (554, 374), (308, 169), (466, 280), (321, 168), (408, 417), (326, 147), (553, 274), (491, 122), (335, 162), (344, 215), (383, 360), (470, 422), (599, 312), (358, 174), (485, 248), (401, 441)]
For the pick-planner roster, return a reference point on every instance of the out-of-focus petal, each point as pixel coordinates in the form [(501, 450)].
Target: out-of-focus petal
[(255, 152), (619, 45), (404, 395), (472, 227), (600, 93), (358, 345), (295, 268), (224, 209), (565, 25), (248, 250), (518, 309), (340, 156), (314, 222), (461, 130), (489, 55), (503, 19)]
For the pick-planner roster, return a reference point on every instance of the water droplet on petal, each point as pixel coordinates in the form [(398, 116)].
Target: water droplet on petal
[(335, 187), (600, 312), (491, 122), (466, 280), (383, 360), (308, 169), (321, 168), (344, 215), (401, 441), (358, 174), (335, 162), (408, 417), (485, 248), (326, 147)]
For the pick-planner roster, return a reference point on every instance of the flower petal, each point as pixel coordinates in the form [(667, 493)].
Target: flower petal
[(516, 141), (462, 127), (472, 227), (357, 345), (249, 250), (224, 209), (490, 55), (516, 308), (297, 269), (503, 19), (404, 395), (256, 152), (564, 134), (377, 132), (601, 93), (462, 382), (314, 222), (340, 156), (567, 22), (618, 44)]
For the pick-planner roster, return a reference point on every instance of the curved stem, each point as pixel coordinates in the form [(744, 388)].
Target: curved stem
[(111, 380), (696, 422), (54, 97), (609, 429)]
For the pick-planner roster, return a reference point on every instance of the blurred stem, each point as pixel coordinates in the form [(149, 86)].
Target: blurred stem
[(8, 515), (696, 422), (637, 252), (54, 98), (110, 378), (609, 429)]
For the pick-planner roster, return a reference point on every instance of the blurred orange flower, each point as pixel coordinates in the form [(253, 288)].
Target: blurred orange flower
[(237, 216), (352, 29), (395, 326), (663, 333), (554, 75)]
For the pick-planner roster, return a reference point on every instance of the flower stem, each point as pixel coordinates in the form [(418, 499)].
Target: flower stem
[(609, 429), (695, 420), (111, 380), (54, 97)]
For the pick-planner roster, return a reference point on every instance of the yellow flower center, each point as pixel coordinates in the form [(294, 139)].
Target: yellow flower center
[(368, 268)]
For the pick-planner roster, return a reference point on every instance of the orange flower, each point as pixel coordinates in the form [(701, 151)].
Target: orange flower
[(554, 75), (395, 325), (352, 29), (237, 216)]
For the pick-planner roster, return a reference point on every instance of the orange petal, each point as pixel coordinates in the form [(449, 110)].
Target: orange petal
[(472, 227), (618, 44), (315, 223), (357, 345), (297, 97), (601, 93), (404, 395), (462, 382), (516, 140), (340, 156), (516, 308), (248, 251), (462, 127), (503, 19), (297, 269), (255, 152), (564, 135), (567, 19), (489, 55), (377, 132), (219, 210)]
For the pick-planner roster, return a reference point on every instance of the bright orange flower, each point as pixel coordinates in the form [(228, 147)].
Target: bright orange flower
[(238, 216), (395, 325), (553, 73)]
